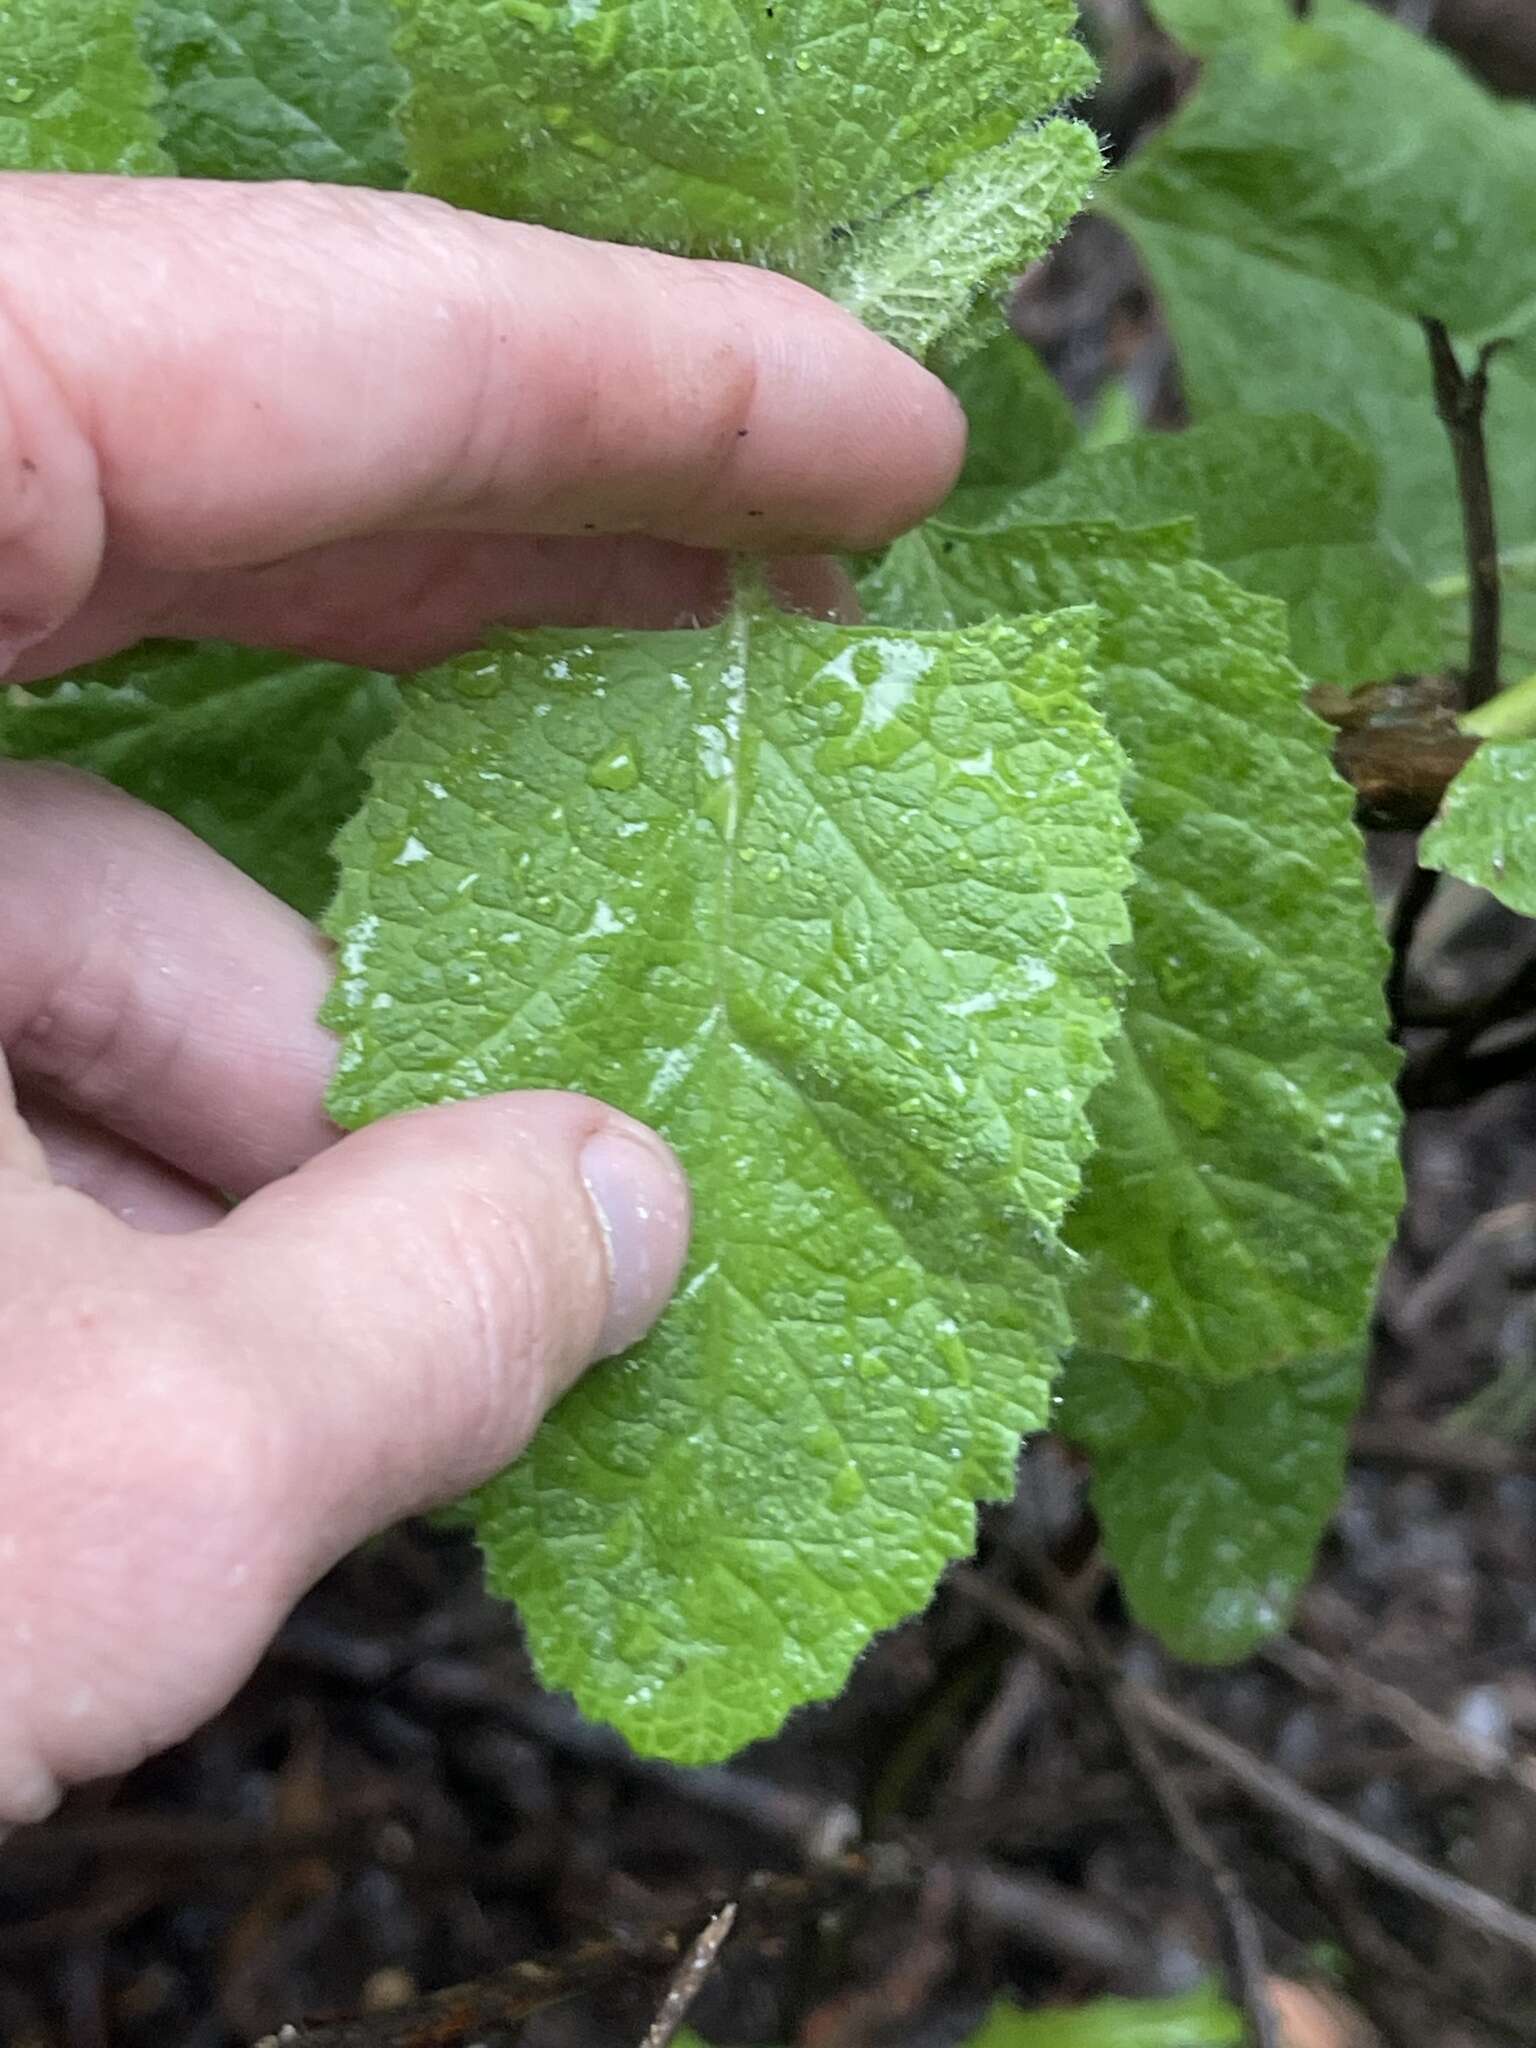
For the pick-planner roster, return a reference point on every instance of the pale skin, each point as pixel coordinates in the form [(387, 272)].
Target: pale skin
[(366, 427)]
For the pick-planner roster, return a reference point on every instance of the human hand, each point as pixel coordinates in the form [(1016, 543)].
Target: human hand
[(365, 427)]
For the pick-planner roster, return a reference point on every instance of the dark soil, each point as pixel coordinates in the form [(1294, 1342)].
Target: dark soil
[(392, 1805)]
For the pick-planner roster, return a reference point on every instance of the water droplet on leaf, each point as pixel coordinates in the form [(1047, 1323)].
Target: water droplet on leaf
[(618, 770), (846, 1488)]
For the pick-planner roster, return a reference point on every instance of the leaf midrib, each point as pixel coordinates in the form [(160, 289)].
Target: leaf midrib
[(726, 1032)]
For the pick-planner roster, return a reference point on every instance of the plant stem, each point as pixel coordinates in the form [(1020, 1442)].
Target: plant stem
[(689, 1978), (1268, 1786), (1462, 402), (1515, 564), (1242, 1945)]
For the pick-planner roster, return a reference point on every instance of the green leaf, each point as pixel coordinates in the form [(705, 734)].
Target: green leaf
[(75, 95), (1355, 614), (279, 88), (1486, 830), (1246, 1183), (1328, 182), (833, 908), (259, 755), (1284, 505), (1116, 416), (879, 144), (1212, 1498), (915, 274), (1206, 26), (1201, 2019), (1022, 427), (1510, 714), (1309, 157)]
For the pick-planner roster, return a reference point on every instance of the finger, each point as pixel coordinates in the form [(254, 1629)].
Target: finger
[(52, 514), (445, 1276), (152, 988), (819, 586), (405, 601), (21, 1156), (400, 366), (132, 1185), (394, 601), (199, 1426)]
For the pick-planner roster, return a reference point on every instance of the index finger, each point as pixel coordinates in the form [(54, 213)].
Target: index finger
[(263, 369)]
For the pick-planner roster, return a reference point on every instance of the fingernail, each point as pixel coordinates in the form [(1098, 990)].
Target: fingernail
[(641, 1198)]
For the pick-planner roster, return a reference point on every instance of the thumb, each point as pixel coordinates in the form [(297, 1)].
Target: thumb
[(421, 1293)]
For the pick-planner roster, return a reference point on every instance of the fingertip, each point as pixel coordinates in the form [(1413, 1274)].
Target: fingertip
[(644, 1213), (910, 449), (920, 420), (722, 406), (928, 427), (430, 1286)]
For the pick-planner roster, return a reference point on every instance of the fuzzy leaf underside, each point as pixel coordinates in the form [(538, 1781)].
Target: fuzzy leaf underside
[(834, 910), (1246, 1184), (892, 152), (721, 127), (75, 95), (1291, 185), (1212, 1499), (1486, 830), (278, 88), (912, 276), (1286, 506), (259, 755)]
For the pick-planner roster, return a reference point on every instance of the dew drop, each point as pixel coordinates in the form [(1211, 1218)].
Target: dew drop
[(618, 770), (846, 1488)]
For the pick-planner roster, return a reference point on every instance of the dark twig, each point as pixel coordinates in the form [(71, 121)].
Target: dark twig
[(1436, 1078), (1490, 1071), (1383, 1981), (1421, 1447), (1270, 1788), (1242, 1944), (689, 1978), (1406, 1996), (1462, 402), (1056, 1920), (1428, 1733), (491, 2007), (1047, 1915)]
